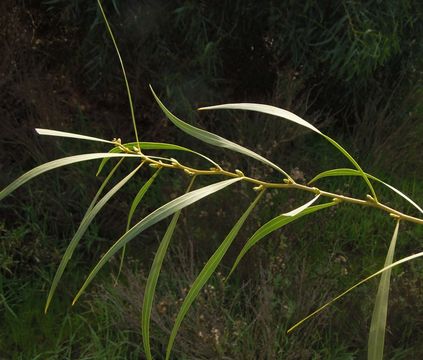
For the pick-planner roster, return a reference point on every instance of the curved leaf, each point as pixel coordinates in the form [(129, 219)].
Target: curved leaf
[(86, 221), (273, 225), (380, 311), (55, 164), (352, 172), (275, 111), (386, 268), (57, 133), (159, 214), (153, 276), (214, 139), (206, 272)]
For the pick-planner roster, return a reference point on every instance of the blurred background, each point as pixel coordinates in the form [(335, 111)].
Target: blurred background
[(352, 68)]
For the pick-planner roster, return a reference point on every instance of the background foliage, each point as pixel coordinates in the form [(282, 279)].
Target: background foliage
[(353, 67)]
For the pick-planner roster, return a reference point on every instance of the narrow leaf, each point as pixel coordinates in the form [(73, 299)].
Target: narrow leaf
[(159, 214), (134, 206), (206, 272), (153, 276), (352, 172), (386, 268), (273, 225), (214, 139), (53, 165), (302, 207), (275, 111), (49, 132), (86, 221), (378, 323)]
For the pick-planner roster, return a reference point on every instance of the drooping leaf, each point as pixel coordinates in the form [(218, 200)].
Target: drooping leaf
[(386, 268), (378, 323), (146, 145), (55, 164), (57, 133), (302, 207), (153, 276), (275, 111), (206, 272), (273, 225), (86, 221), (214, 139), (159, 214), (353, 172), (134, 206)]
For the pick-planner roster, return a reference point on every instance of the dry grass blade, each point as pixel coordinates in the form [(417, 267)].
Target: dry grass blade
[(206, 272), (378, 323)]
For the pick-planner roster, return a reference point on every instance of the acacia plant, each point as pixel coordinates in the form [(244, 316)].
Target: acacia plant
[(138, 151)]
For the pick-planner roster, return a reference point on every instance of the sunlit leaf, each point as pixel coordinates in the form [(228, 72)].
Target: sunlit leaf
[(86, 221), (57, 133), (214, 139), (275, 111), (56, 164), (302, 207), (353, 172), (153, 276), (386, 268), (159, 214), (378, 323), (273, 225), (206, 272)]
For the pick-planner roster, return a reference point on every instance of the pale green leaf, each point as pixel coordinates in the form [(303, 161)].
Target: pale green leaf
[(86, 221), (159, 214), (386, 268), (57, 133), (353, 172), (378, 323), (134, 206), (302, 207), (273, 225), (214, 139), (206, 272), (55, 164), (275, 111), (153, 276)]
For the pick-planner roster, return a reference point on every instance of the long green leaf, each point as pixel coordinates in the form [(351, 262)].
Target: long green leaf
[(214, 139), (353, 172), (159, 214), (275, 111), (134, 206), (86, 221), (57, 133), (273, 225), (55, 164), (146, 145), (153, 276), (206, 272), (386, 268), (378, 323)]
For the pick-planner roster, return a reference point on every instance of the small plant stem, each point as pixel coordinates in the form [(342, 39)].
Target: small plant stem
[(287, 184)]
